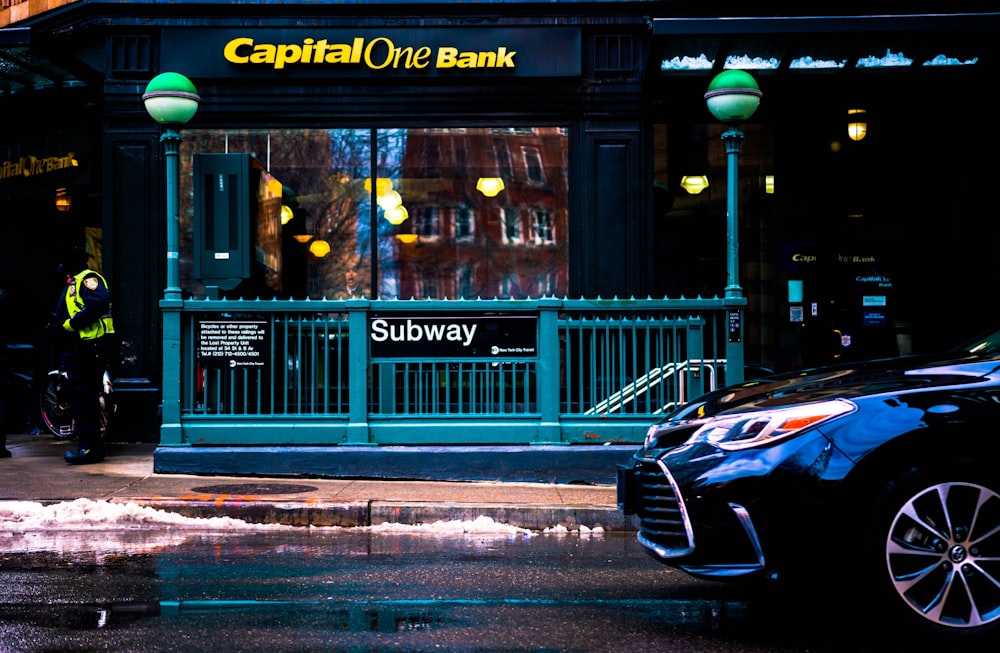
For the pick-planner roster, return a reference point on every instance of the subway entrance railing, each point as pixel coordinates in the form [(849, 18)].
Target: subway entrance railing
[(381, 372)]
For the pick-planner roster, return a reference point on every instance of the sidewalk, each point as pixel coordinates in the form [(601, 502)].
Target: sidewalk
[(37, 472)]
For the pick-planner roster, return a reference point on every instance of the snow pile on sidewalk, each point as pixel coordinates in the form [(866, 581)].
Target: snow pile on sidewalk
[(86, 514), (90, 515)]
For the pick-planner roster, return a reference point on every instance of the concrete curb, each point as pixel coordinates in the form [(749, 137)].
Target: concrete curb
[(560, 464)]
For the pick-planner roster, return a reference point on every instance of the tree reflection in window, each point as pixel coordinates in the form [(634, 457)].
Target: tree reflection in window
[(446, 240)]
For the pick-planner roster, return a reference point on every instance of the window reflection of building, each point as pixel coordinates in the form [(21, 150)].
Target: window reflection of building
[(486, 246), (542, 227), (453, 241), (533, 166), (512, 225), (427, 222), (463, 223), (501, 154)]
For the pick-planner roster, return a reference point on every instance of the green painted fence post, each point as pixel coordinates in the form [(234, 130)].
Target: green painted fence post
[(357, 372), (549, 430)]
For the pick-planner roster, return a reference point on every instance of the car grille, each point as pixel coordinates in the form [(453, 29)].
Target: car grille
[(663, 524)]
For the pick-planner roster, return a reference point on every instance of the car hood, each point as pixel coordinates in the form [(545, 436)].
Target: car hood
[(842, 381)]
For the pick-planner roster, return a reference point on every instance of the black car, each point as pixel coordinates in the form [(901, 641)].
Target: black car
[(881, 476)]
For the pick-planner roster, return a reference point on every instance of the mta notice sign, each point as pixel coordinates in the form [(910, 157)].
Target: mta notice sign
[(453, 336), (233, 343)]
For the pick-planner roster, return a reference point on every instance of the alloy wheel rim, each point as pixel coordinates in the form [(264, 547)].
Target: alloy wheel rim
[(943, 554)]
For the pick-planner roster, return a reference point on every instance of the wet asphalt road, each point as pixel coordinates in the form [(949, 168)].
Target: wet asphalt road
[(352, 590)]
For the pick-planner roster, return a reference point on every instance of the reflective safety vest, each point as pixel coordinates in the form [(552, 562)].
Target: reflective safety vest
[(74, 305)]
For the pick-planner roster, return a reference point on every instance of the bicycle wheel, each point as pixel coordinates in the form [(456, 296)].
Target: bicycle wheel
[(55, 410)]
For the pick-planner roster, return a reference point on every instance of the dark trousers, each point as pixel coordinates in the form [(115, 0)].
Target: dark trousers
[(84, 365)]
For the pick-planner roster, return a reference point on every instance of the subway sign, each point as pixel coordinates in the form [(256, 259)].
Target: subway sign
[(318, 52), (452, 336)]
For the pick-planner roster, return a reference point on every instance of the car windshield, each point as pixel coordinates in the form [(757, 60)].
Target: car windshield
[(988, 343)]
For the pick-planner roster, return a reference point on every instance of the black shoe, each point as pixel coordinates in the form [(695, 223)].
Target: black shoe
[(84, 457), (4, 453)]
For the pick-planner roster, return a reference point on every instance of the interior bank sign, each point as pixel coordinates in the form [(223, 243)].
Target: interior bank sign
[(453, 336), (367, 52)]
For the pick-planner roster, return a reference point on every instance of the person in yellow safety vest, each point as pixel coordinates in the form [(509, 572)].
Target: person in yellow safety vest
[(81, 328)]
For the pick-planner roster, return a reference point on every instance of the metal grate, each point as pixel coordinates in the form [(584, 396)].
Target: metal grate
[(659, 510)]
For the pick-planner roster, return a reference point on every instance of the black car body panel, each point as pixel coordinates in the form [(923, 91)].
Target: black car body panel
[(745, 512)]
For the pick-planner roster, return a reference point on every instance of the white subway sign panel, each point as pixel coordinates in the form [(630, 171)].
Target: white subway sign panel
[(453, 336)]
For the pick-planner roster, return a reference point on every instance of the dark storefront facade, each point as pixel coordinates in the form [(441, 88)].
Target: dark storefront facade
[(592, 113)]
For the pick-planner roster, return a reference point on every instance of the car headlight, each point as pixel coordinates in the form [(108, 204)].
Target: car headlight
[(765, 427)]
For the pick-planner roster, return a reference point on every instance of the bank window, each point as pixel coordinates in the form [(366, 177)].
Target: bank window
[(416, 226)]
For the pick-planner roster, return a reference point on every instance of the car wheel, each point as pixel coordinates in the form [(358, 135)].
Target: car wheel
[(941, 553)]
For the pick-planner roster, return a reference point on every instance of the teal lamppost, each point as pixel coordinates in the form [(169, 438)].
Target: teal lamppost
[(732, 97), (171, 100)]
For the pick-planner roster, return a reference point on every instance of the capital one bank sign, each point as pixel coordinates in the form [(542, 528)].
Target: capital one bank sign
[(373, 52)]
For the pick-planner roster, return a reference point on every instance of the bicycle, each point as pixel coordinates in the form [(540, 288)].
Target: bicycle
[(55, 409)]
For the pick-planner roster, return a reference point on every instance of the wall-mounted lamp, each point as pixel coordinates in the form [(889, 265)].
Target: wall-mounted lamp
[(694, 184), (857, 124), (63, 200), (489, 186), (769, 184), (286, 214), (407, 238)]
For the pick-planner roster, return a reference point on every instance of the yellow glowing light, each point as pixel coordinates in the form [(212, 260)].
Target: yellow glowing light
[(857, 128), (390, 200), (694, 184), (407, 238), (489, 186), (397, 215), (319, 248), (302, 238), (769, 184), (63, 200), (286, 214), (382, 185)]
